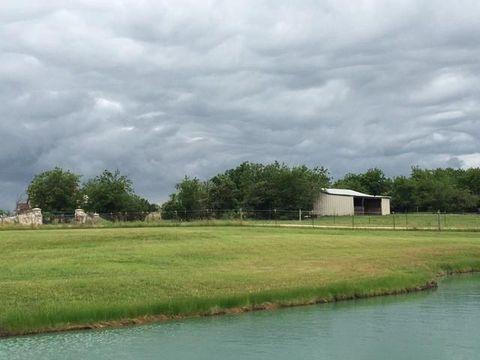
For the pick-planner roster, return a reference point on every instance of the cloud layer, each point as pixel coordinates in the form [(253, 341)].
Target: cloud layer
[(160, 89)]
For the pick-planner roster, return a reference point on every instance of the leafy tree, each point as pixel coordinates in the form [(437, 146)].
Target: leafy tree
[(112, 192), (470, 179), (403, 194), (223, 193), (192, 194), (55, 190), (373, 182), (191, 198), (351, 181), (376, 182)]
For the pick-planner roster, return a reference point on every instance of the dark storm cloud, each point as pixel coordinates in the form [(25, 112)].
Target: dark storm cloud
[(160, 89)]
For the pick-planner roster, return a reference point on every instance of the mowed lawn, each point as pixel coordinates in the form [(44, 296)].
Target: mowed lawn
[(52, 279)]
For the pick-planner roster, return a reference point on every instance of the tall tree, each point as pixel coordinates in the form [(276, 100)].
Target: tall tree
[(351, 181), (373, 182), (404, 194), (112, 192), (55, 190), (188, 201)]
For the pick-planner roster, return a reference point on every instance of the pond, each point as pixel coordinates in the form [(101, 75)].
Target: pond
[(439, 324)]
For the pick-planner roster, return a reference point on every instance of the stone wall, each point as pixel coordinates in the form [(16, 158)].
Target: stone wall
[(30, 218), (81, 217)]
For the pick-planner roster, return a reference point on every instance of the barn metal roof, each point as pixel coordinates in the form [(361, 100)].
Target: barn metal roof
[(347, 192)]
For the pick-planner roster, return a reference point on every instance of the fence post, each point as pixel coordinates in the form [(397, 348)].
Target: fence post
[(300, 215), (393, 220), (313, 221), (445, 220), (438, 219), (406, 220), (241, 215), (275, 212), (353, 221)]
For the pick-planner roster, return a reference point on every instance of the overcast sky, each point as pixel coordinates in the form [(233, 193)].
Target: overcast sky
[(160, 89)]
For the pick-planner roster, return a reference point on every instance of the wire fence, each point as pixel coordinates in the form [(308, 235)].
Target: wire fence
[(273, 217)]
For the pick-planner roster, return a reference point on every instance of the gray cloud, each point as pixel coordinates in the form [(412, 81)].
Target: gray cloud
[(160, 89)]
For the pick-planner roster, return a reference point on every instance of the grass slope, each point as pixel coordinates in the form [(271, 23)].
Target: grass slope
[(54, 279)]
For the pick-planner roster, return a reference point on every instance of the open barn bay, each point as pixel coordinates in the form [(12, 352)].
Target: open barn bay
[(61, 279)]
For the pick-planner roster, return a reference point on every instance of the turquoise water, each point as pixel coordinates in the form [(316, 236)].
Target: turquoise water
[(441, 324)]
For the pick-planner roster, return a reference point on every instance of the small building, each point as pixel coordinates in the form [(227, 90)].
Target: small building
[(349, 202)]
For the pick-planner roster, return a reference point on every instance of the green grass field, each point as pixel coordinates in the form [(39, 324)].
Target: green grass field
[(395, 221), (52, 279)]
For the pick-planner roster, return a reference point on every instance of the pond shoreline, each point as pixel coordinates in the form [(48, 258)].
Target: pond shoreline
[(149, 319)]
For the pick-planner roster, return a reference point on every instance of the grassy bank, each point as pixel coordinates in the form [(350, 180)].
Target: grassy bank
[(57, 279)]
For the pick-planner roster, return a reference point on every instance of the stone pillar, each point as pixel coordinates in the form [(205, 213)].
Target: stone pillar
[(80, 216)]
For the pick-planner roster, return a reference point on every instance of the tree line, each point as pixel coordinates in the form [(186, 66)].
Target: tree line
[(61, 191), (258, 187), (444, 189), (249, 186)]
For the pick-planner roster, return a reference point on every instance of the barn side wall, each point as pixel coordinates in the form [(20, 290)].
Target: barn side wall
[(385, 206), (328, 204)]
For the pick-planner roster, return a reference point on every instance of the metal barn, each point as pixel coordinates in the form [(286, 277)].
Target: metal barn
[(349, 202)]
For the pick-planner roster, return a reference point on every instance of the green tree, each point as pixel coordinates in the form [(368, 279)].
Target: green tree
[(112, 192), (55, 190), (373, 182), (223, 193), (189, 200), (403, 194), (351, 181), (470, 179)]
